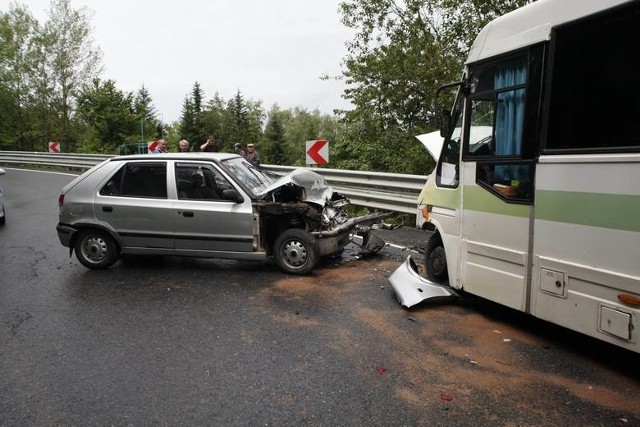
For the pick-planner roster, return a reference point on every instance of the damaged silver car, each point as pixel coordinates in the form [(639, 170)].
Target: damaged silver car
[(210, 205)]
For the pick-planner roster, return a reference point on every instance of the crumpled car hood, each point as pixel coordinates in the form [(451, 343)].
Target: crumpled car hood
[(315, 186)]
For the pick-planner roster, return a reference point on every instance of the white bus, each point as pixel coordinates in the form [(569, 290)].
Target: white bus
[(535, 198)]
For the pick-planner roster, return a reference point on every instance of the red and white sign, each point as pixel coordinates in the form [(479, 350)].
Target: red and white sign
[(318, 152), (54, 147), (152, 145)]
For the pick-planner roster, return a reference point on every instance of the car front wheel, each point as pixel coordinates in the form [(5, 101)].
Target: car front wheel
[(296, 251), (96, 249)]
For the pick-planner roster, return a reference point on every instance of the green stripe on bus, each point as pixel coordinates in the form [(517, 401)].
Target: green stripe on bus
[(616, 211), (481, 200), (446, 198)]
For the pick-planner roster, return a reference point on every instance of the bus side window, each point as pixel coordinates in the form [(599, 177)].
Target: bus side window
[(447, 173), (495, 133)]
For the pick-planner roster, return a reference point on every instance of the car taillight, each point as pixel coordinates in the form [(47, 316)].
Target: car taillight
[(61, 200)]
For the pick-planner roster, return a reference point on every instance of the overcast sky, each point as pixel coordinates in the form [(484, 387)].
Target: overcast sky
[(272, 50)]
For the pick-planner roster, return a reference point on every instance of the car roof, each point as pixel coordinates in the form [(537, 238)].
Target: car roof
[(178, 156)]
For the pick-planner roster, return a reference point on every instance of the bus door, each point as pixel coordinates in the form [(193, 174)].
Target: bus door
[(498, 179)]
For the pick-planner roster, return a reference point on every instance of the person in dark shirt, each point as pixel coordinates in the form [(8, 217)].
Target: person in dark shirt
[(210, 146), (237, 147), (252, 155)]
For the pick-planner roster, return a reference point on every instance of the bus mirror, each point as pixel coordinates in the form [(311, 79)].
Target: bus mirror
[(444, 116), (444, 121)]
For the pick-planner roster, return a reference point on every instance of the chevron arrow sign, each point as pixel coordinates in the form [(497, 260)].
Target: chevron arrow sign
[(318, 152)]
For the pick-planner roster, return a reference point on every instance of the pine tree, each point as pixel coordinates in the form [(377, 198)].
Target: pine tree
[(273, 150)]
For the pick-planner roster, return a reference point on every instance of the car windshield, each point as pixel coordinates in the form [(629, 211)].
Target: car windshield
[(253, 178)]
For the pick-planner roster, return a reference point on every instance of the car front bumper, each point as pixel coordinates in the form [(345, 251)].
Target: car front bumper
[(332, 241)]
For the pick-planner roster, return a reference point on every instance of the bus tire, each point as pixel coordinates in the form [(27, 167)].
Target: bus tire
[(436, 262)]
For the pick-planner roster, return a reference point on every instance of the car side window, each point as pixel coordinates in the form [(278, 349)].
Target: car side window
[(200, 182), (136, 179)]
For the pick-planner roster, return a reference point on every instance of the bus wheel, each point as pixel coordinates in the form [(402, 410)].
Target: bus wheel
[(436, 264)]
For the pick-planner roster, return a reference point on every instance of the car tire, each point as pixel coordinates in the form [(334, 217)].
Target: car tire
[(96, 249), (436, 262), (296, 251)]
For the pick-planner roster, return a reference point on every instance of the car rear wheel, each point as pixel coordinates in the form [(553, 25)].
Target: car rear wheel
[(96, 249), (296, 251)]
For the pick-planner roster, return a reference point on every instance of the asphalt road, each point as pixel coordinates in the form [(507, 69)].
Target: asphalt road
[(177, 341)]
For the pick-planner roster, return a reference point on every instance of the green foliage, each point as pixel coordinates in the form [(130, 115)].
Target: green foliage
[(42, 67), (110, 115), (72, 60), (273, 151), (402, 52), (146, 114)]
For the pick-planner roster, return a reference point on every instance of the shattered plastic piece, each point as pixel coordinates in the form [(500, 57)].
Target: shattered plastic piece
[(506, 340), (372, 243), (385, 226), (380, 370), (411, 288)]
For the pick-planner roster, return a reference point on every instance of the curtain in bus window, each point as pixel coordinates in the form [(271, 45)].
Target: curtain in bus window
[(509, 115)]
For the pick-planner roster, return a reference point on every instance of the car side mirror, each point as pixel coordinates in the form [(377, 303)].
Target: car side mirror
[(233, 195)]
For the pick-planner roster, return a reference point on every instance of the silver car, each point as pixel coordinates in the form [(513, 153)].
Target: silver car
[(212, 205)]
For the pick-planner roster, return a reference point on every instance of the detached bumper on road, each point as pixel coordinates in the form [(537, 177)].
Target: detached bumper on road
[(411, 288)]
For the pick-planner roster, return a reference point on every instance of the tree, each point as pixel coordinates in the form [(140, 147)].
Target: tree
[(403, 50), (244, 120), (146, 114), (72, 59), (213, 119), (17, 30), (273, 151), (187, 119), (110, 114), (192, 127)]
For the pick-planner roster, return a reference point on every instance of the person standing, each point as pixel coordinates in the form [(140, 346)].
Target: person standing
[(210, 146), (161, 148), (237, 147), (183, 146), (252, 155)]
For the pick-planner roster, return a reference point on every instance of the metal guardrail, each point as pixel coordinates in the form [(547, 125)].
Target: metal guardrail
[(379, 190)]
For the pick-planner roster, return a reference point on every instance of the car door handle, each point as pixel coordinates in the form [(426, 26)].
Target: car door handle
[(188, 214), (107, 209)]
